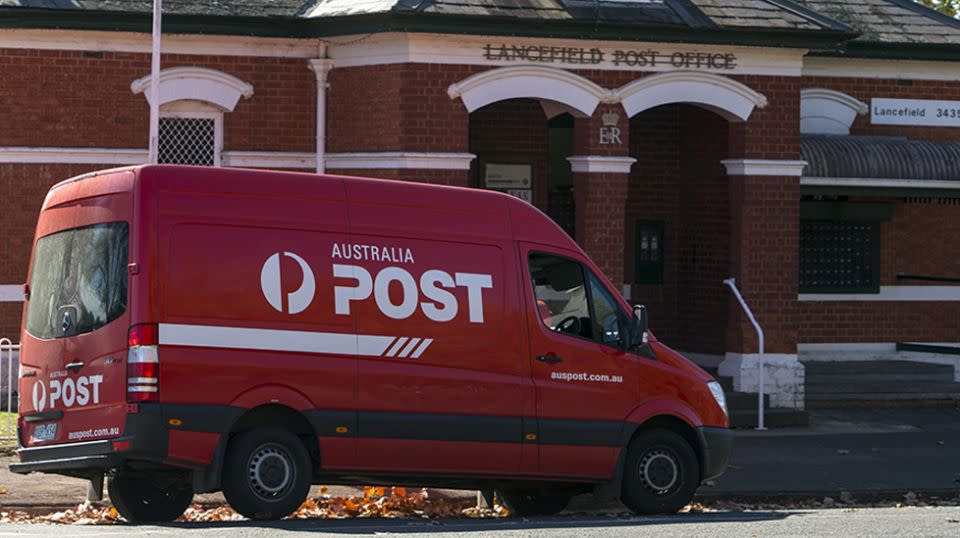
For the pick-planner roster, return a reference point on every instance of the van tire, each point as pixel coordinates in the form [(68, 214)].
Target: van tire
[(533, 502), (142, 497), (661, 473), (266, 474)]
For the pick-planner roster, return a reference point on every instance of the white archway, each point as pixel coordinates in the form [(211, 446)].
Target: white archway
[(197, 84), (533, 82), (824, 111), (728, 98)]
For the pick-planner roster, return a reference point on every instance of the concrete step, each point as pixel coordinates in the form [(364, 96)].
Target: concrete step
[(772, 418), (884, 396), (915, 388), (874, 367), (877, 401), (745, 400), (867, 378)]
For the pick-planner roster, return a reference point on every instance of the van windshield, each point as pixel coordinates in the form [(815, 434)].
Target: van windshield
[(79, 280)]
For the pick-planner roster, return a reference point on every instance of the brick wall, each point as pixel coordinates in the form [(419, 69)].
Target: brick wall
[(865, 89), (764, 258), (70, 99), (600, 199)]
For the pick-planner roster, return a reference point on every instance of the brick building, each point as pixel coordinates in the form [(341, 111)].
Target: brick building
[(807, 149)]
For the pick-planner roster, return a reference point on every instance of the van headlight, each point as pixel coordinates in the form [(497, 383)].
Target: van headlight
[(719, 396)]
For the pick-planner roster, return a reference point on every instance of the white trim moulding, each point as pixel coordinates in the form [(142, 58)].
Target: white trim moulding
[(595, 164), (890, 293), (879, 182), (245, 159), (17, 38), (763, 167), (11, 293), (269, 159), (853, 68), (119, 156), (403, 160)]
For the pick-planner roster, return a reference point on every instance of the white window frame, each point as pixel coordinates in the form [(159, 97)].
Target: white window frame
[(199, 110)]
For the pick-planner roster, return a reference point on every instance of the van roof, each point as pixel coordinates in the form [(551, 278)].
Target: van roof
[(527, 222)]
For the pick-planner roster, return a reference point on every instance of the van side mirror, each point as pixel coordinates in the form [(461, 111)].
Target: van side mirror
[(639, 333)]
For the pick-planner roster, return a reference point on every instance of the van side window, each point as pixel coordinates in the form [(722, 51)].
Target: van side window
[(561, 295), (609, 319)]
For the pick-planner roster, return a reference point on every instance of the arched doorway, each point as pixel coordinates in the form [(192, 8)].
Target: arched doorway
[(677, 237), (678, 234), (521, 148)]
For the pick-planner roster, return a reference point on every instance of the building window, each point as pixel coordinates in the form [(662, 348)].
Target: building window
[(190, 139), (839, 257), (840, 246), (648, 252)]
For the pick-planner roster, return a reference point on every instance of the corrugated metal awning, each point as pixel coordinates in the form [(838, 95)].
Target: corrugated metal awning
[(879, 157)]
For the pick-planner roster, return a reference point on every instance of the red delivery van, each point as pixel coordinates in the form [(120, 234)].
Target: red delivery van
[(194, 329)]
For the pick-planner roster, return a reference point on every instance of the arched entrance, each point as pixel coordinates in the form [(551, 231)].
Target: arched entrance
[(677, 240), (677, 237), (521, 147)]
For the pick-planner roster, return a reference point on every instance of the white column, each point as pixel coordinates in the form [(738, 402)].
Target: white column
[(320, 67)]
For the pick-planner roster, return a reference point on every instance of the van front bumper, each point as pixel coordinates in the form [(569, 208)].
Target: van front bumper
[(716, 444), (144, 439)]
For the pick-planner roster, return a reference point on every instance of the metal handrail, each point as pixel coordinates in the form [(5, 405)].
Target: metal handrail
[(732, 282)]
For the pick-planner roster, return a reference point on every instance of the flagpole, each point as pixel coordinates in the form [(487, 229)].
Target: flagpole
[(155, 85)]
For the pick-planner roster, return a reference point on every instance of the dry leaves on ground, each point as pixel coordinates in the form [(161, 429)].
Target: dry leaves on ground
[(375, 502)]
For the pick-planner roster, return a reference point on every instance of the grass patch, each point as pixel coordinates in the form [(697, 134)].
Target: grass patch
[(6, 430), (8, 446)]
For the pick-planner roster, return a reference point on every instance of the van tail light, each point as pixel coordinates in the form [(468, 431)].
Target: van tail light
[(143, 364)]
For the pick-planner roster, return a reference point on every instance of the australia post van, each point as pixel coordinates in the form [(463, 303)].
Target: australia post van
[(191, 329)]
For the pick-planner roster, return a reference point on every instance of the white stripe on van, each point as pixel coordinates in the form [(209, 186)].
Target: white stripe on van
[(393, 351), (275, 340), (406, 351), (423, 347)]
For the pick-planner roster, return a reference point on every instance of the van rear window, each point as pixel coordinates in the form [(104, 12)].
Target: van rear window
[(79, 280)]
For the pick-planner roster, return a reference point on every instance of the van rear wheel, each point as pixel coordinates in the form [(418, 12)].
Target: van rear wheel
[(266, 474), (145, 497), (533, 502), (661, 473)]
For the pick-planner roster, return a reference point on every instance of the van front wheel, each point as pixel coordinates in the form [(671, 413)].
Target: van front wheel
[(266, 474), (661, 473), (141, 497)]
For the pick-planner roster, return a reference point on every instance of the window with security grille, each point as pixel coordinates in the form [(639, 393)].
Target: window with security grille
[(188, 140), (838, 256)]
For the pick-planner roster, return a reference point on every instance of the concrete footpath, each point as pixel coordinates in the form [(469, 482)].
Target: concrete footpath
[(885, 453)]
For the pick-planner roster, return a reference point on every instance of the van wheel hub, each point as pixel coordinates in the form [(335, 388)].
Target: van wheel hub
[(270, 471), (659, 471)]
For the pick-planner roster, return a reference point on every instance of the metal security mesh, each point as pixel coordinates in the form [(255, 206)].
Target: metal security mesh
[(187, 141), (838, 256)]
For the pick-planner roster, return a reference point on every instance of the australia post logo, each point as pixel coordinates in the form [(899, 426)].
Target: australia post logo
[(68, 391), (429, 291)]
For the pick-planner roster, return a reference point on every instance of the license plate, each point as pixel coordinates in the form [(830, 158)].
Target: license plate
[(44, 432)]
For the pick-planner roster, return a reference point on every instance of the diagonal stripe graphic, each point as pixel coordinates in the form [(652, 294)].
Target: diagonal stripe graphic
[(406, 351)]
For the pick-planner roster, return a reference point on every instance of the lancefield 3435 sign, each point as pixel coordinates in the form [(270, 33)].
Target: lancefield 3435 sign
[(925, 112)]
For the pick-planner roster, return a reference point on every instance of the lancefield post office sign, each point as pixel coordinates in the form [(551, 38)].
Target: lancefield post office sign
[(620, 57)]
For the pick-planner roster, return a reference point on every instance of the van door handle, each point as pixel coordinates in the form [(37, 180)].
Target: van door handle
[(549, 358), (74, 366)]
